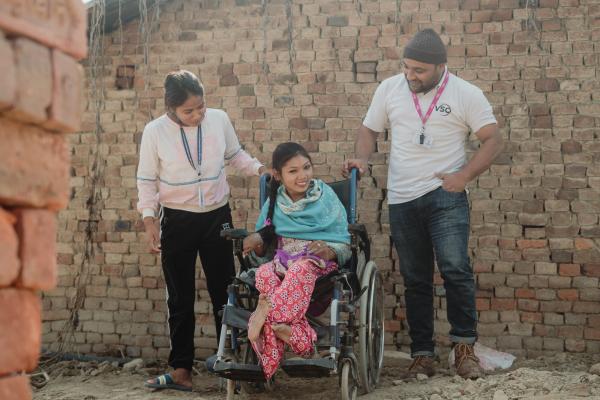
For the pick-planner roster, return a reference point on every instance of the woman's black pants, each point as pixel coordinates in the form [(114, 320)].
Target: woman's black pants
[(184, 236)]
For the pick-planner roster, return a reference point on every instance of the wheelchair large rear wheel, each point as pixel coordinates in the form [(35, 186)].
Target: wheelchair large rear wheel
[(371, 333)]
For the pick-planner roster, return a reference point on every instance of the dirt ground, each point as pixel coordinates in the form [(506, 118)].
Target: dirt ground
[(560, 377)]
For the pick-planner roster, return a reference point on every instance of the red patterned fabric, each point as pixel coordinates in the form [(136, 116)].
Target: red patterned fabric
[(290, 298)]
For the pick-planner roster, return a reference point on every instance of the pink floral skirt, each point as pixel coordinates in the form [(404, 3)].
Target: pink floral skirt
[(290, 297)]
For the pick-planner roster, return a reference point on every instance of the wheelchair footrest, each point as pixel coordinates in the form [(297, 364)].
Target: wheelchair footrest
[(239, 372), (309, 368)]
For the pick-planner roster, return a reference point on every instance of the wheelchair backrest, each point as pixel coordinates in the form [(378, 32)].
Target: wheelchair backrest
[(345, 190)]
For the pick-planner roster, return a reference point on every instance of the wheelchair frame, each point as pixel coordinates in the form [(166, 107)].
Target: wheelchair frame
[(357, 293)]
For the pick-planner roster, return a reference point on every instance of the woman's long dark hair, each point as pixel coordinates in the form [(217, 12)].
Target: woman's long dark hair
[(282, 154), (179, 85)]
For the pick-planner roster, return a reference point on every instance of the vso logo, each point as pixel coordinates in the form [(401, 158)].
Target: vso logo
[(443, 109)]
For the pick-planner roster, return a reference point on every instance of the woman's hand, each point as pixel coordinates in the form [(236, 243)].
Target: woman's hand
[(320, 249), (253, 242), (152, 234)]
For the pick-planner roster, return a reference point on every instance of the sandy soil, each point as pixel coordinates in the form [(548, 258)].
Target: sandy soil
[(563, 376)]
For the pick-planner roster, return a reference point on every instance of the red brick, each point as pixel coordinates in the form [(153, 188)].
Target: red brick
[(15, 388), (65, 112), (531, 244), (524, 293), (504, 304), (546, 85), (591, 270), (57, 24), (593, 334), (34, 171), (482, 304), (583, 244), (570, 147), (20, 319), (594, 321), (37, 248), (392, 326), (9, 247), (34, 81), (528, 305), (531, 317), (298, 123), (568, 294), (569, 270), (8, 89), (254, 113), (571, 332)]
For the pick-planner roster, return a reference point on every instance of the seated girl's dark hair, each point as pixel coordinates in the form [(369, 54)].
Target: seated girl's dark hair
[(281, 155), (179, 85)]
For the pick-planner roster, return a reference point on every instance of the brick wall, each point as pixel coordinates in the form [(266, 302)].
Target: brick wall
[(39, 99), (534, 215)]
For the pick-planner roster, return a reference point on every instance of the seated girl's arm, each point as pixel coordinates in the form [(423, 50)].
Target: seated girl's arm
[(342, 252)]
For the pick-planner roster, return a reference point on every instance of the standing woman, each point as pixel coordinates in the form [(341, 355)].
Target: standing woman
[(181, 172)]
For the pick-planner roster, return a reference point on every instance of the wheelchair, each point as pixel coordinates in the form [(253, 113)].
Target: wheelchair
[(350, 334)]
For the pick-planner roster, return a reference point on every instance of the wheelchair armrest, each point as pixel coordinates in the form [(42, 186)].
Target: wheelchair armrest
[(357, 229), (231, 234)]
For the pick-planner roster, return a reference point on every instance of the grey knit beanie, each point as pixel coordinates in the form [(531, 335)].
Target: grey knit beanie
[(427, 47)]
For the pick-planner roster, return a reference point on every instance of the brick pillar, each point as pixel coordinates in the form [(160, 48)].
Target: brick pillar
[(40, 99)]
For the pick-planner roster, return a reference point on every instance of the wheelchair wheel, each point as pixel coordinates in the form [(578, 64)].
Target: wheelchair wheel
[(371, 333), (348, 381)]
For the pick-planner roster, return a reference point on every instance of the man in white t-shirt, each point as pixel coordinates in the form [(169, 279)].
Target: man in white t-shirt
[(431, 113)]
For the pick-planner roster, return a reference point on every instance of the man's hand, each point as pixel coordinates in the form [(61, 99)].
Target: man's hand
[(152, 234), (264, 170), (253, 242), (455, 182), (354, 163)]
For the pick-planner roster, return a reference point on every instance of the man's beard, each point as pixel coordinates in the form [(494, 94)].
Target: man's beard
[(421, 88)]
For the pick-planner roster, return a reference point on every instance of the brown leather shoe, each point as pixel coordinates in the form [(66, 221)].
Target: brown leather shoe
[(465, 361), (420, 365)]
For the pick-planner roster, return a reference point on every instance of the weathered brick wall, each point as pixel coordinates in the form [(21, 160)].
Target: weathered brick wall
[(534, 214), (40, 96)]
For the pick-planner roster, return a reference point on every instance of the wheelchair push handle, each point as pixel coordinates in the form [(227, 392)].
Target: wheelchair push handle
[(231, 234), (354, 177), (264, 181)]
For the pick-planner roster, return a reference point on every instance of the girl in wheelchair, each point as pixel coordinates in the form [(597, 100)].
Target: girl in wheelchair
[(303, 232)]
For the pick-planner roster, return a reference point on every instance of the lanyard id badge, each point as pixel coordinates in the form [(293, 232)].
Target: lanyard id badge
[(420, 138), (188, 151)]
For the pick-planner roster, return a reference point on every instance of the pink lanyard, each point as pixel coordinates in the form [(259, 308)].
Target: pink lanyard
[(431, 106)]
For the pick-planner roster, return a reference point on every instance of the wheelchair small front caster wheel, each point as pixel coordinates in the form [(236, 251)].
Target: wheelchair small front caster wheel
[(348, 382)]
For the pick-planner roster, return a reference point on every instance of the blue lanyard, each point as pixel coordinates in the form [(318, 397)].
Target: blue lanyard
[(188, 152)]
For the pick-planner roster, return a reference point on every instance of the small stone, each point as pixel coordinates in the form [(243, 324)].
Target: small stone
[(435, 397), (595, 369), (398, 382), (133, 364), (421, 377), (500, 395)]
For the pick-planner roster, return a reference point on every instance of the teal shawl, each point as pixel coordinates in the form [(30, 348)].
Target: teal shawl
[(318, 216)]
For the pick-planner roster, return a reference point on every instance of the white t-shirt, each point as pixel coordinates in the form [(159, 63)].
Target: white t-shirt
[(462, 108)]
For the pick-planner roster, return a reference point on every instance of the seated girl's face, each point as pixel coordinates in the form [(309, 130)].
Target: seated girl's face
[(296, 174)]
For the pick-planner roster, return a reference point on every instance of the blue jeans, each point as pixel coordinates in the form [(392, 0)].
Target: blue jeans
[(435, 225)]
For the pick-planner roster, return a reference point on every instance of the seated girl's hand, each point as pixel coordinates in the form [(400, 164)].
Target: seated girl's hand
[(320, 249), (253, 242)]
